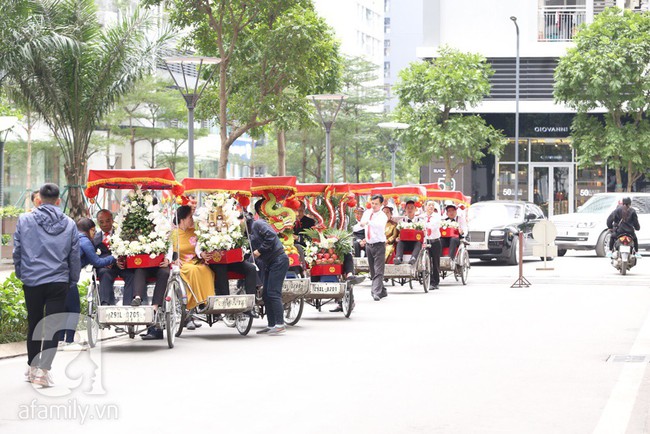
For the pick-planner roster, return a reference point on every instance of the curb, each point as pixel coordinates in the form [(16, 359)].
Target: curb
[(17, 349)]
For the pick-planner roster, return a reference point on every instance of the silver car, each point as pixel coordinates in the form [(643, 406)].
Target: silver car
[(586, 229)]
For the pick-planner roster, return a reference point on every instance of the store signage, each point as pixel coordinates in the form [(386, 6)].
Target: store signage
[(551, 129)]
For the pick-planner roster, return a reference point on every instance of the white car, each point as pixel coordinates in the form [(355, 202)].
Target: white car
[(587, 228)]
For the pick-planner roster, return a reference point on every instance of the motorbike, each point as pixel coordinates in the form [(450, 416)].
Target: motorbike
[(623, 256)]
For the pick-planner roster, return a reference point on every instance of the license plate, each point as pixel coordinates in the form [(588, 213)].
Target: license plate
[(624, 249), (295, 286), (124, 315), (325, 288), (478, 246), (230, 302)]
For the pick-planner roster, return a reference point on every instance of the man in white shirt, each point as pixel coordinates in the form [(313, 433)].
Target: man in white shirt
[(431, 221), (374, 222)]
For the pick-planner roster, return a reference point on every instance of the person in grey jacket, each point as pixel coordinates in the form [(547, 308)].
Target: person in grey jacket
[(47, 261)]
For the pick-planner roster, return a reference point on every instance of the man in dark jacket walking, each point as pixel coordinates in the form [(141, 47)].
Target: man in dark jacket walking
[(47, 261)]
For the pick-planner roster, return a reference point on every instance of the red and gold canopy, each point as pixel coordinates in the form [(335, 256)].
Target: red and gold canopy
[(148, 179), (239, 187)]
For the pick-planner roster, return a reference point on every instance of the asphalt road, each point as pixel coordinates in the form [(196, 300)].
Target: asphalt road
[(481, 358)]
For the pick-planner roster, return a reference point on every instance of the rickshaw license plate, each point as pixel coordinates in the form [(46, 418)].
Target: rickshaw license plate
[(295, 286), (230, 302), (125, 315), (326, 288)]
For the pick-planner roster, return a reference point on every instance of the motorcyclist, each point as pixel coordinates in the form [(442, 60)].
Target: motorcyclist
[(623, 220)]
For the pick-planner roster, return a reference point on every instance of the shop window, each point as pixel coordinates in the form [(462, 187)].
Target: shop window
[(550, 150), (509, 151), (506, 181), (589, 181)]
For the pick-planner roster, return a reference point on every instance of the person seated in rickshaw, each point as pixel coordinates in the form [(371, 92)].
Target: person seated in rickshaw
[(245, 268), (302, 222), (391, 231), (451, 210), (108, 273), (358, 232), (413, 246)]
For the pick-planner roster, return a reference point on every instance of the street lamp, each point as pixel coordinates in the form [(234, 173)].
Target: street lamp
[(514, 20), (392, 143), (191, 95), (328, 106), (6, 124)]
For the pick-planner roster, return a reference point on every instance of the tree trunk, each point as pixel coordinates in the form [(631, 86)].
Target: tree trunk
[(304, 159), (28, 169), (319, 168), (251, 166), (282, 153), (619, 180), (356, 169), (223, 125), (75, 173), (343, 167), (132, 148), (153, 154), (449, 175)]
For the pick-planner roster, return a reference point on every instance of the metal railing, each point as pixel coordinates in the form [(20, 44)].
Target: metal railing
[(560, 24)]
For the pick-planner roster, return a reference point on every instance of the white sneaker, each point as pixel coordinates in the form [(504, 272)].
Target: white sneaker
[(608, 254), (277, 330), (42, 377), (29, 374)]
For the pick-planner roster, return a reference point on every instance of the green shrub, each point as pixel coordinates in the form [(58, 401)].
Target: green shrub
[(11, 211), (6, 239), (13, 313)]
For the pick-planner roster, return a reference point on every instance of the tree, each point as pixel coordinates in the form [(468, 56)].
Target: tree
[(273, 53), (432, 95), (71, 70), (608, 68)]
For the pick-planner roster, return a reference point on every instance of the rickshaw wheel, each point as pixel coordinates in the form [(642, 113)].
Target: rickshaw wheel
[(425, 271), (174, 312), (293, 311), (243, 323), (92, 323), (464, 270), (347, 303)]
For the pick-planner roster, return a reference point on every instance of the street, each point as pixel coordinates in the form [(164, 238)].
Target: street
[(481, 358)]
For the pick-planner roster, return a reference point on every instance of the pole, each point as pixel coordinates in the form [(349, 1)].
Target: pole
[(514, 20), (190, 141), (327, 152)]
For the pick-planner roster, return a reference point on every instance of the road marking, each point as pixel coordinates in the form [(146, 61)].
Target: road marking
[(616, 415)]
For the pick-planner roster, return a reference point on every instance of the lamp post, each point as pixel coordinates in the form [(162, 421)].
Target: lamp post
[(514, 20), (191, 95), (6, 124), (392, 143), (328, 106)]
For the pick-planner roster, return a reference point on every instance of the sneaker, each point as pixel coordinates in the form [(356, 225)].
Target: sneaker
[(277, 330), (29, 374), (608, 254), (397, 261), (189, 325), (412, 261), (42, 378), (638, 255), (264, 331)]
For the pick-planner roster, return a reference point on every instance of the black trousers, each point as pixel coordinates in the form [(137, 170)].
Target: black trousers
[(44, 302), (140, 276), (413, 246), (452, 243), (435, 248), (221, 280), (107, 278)]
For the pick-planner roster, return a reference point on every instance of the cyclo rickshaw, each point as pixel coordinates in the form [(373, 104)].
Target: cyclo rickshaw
[(219, 197), (279, 203), (133, 319), (420, 270), (324, 265), (459, 265)]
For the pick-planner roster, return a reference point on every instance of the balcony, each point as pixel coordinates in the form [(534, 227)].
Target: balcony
[(560, 23)]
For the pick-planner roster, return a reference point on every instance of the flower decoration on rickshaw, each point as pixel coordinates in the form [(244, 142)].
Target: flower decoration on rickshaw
[(141, 227), (417, 225), (218, 224), (327, 247)]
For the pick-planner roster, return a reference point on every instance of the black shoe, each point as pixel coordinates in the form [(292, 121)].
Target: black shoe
[(137, 301), (411, 261), (153, 334), (105, 303), (189, 325), (397, 261), (376, 297), (355, 280), (434, 286), (383, 293), (337, 309)]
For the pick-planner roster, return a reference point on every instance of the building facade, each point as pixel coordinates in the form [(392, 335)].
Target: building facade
[(548, 170)]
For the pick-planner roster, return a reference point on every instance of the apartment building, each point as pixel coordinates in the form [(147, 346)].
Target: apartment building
[(547, 163)]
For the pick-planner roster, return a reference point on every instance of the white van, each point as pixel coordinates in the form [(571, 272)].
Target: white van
[(587, 228)]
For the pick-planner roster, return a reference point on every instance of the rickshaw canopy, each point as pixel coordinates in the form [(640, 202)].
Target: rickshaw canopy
[(364, 189), (240, 187), (400, 191), (149, 179), (281, 187), (449, 195)]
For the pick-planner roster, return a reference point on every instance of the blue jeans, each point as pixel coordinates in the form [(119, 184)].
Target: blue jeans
[(274, 275)]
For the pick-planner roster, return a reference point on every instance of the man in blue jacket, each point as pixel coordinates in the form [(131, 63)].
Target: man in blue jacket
[(47, 261)]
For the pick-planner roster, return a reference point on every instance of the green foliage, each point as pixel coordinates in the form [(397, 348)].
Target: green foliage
[(608, 68), (11, 211), (6, 239), (13, 313), (71, 70), (83, 287), (430, 95), (273, 53)]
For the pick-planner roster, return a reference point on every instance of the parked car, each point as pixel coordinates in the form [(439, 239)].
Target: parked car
[(586, 229), (494, 227)]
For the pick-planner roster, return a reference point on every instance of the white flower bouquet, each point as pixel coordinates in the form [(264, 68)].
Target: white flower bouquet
[(140, 228), (218, 224), (418, 226), (446, 224)]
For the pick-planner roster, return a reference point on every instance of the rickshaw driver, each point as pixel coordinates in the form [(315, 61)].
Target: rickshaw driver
[(453, 242), (413, 246)]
